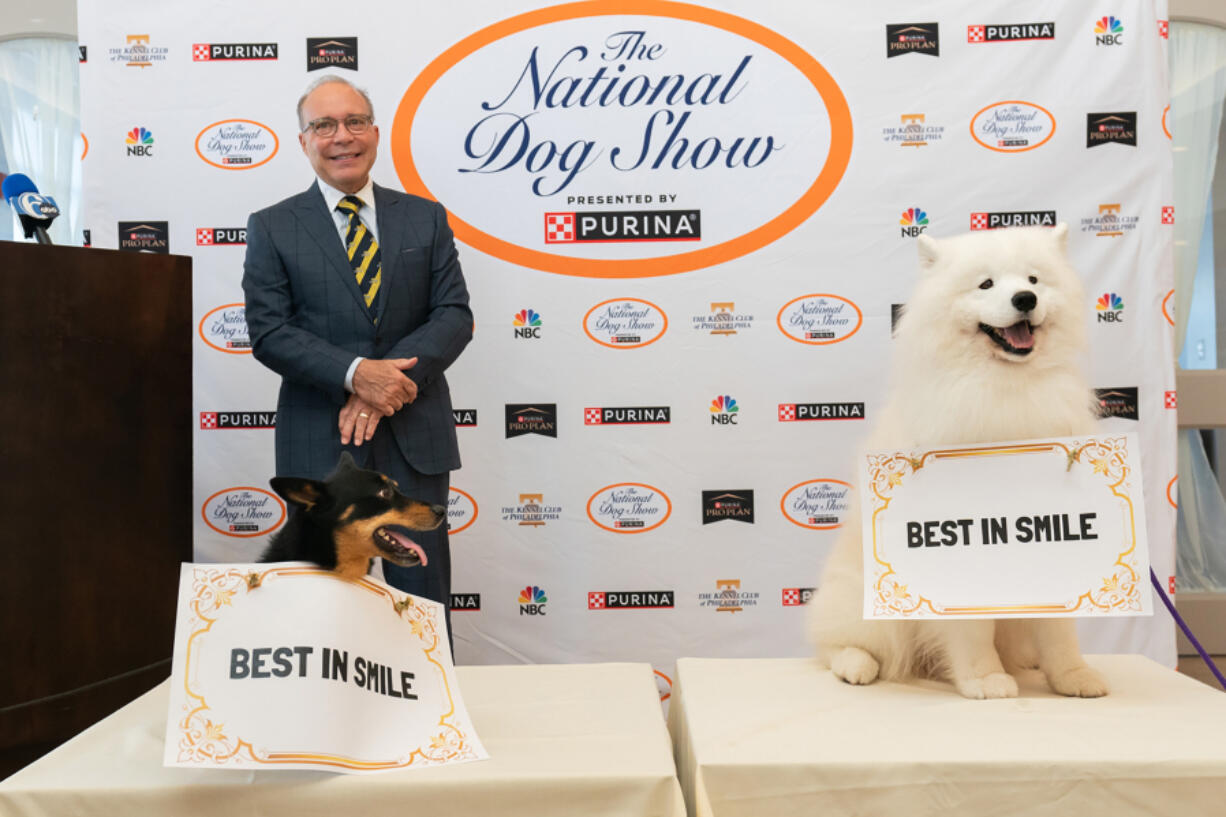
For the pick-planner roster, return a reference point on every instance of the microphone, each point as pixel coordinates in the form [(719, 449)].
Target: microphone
[(35, 210)]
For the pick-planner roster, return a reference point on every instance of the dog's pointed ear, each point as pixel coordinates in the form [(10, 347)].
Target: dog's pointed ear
[(928, 251), (304, 493), (1060, 231), (346, 461)]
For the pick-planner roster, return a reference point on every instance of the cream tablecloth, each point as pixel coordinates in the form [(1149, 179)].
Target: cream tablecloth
[(758, 738), (564, 740)]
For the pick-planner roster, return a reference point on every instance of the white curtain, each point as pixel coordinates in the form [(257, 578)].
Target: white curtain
[(1198, 88), (40, 123)]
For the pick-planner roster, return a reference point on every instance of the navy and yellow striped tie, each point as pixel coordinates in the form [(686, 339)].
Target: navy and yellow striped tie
[(363, 252)]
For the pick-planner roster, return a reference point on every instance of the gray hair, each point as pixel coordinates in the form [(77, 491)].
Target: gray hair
[(324, 80)]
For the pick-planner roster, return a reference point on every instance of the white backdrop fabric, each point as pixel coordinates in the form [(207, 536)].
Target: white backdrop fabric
[(699, 214)]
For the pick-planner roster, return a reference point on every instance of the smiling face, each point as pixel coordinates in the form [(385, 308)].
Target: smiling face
[(343, 159)]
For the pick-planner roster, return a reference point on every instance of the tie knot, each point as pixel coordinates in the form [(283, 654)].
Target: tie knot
[(350, 204)]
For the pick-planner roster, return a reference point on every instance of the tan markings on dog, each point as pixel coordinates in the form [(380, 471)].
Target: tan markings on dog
[(306, 495), (355, 542), (348, 512)]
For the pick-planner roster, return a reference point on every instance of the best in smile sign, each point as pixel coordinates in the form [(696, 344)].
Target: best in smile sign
[(1040, 528)]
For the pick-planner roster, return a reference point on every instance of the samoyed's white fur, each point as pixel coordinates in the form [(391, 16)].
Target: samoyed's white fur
[(953, 382)]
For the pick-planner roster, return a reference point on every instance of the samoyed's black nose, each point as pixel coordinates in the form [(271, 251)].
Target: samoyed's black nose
[(1024, 301)]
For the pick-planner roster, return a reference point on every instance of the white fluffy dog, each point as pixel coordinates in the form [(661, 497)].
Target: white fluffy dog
[(987, 350)]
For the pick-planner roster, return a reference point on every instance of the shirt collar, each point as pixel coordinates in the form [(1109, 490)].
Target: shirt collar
[(332, 196)]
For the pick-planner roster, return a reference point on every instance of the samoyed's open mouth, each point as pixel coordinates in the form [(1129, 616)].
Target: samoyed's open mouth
[(1017, 339)]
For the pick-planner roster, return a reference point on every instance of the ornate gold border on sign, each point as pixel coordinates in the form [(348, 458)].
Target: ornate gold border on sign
[(203, 739), (1119, 590)]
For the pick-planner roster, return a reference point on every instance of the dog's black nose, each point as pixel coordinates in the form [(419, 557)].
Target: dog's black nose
[(1024, 301), (439, 510)]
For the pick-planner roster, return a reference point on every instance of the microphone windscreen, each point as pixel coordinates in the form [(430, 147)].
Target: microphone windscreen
[(15, 184)]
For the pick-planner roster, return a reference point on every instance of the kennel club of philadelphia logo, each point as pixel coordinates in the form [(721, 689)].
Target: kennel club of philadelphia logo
[(625, 323), (332, 52), (819, 319), (723, 319), (818, 504), (532, 511), (578, 139), (912, 38), (913, 131), (532, 418), (1105, 128), (144, 236), (1109, 222), (728, 597), (630, 599), (138, 52), (720, 505), (629, 507), (225, 329), (243, 512), (1012, 126), (236, 144), (461, 510)]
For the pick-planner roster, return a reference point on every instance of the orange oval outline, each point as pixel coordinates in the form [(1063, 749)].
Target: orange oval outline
[(85, 149), (837, 159), (200, 331), (668, 694), (788, 517), (243, 488), (1166, 314), (971, 127), (276, 145), (1165, 129), (469, 523), (859, 319), (663, 314), (1169, 498), (667, 501)]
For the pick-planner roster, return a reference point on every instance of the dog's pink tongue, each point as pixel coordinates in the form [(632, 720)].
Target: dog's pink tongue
[(1019, 335), (409, 544)]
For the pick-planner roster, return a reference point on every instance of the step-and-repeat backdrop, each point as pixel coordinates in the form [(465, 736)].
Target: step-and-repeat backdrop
[(685, 230)]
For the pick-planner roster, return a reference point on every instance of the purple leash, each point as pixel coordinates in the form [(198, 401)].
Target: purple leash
[(1184, 626)]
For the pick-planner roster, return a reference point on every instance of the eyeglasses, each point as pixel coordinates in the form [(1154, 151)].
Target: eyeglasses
[(326, 126)]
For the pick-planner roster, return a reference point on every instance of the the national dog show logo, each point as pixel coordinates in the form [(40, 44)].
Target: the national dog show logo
[(225, 329), (625, 323), (817, 504), (1013, 126), (623, 139), (461, 510), (819, 319), (629, 507), (243, 511), (236, 144)]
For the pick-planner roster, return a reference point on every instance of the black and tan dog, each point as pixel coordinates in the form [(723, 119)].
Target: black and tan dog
[(344, 521)]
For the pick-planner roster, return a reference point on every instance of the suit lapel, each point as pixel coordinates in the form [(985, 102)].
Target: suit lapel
[(391, 239), (312, 211)]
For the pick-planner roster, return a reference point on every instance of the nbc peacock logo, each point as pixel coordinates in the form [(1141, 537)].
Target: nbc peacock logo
[(1108, 31), (527, 324), (140, 142), (532, 601), (914, 221), (1110, 308), (724, 411)]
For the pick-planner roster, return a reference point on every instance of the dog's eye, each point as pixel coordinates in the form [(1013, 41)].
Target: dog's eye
[(986, 284), (385, 492), (1034, 279)]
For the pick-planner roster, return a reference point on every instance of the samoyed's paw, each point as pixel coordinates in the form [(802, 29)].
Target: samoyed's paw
[(854, 665), (994, 685), (1079, 682)]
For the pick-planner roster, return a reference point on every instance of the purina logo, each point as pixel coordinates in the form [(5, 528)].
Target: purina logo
[(1012, 126), (986, 33), (723, 319), (912, 38), (1109, 222), (527, 324), (332, 52), (531, 512), (1108, 31), (627, 415), (913, 131), (461, 510), (630, 599), (794, 412), (1118, 402), (1110, 308), (532, 601), (217, 236), (144, 236), (629, 225), (914, 221), (720, 505), (465, 601), (210, 52), (137, 52), (797, 596), (464, 417), (728, 597), (528, 418), (1105, 128), (629, 507), (625, 323), (210, 420), (225, 329), (724, 411), (818, 504), (243, 512), (139, 142), (236, 144), (819, 319), (1013, 218)]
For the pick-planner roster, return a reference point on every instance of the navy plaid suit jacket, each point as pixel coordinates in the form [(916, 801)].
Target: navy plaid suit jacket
[(307, 321)]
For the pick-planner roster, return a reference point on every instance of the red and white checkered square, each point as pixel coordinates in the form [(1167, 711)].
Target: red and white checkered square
[(204, 236), (976, 34), (1171, 584), (1164, 32), (595, 600), (979, 221), (1168, 215), (200, 52), (208, 419), (559, 227), (591, 416), (787, 412), (1169, 400), (791, 597)]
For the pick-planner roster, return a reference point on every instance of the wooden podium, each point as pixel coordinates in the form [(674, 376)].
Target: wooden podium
[(96, 504)]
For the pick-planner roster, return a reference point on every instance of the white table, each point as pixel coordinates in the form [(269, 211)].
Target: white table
[(564, 740), (784, 737)]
